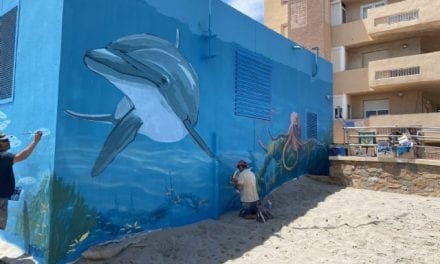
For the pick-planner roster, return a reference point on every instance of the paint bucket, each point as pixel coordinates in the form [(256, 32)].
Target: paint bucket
[(341, 151), (337, 150)]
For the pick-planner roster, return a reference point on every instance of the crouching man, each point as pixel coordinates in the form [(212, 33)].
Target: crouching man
[(245, 183)]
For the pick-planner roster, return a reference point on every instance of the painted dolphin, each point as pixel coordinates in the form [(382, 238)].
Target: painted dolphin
[(161, 94)]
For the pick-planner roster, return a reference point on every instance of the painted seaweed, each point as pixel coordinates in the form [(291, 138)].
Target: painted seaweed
[(33, 225), (71, 220)]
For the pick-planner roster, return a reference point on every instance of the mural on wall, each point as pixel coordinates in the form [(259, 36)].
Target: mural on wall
[(91, 226), (161, 101), (161, 94), (288, 152), (29, 216)]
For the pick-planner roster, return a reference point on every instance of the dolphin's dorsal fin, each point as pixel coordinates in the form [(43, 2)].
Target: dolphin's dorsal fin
[(177, 39), (123, 133), (198, 139)]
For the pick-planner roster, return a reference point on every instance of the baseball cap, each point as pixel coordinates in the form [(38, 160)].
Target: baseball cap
[(3, 137)]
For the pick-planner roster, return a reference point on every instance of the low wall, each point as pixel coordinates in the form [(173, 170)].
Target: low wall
[(421, 119), (420, 177)]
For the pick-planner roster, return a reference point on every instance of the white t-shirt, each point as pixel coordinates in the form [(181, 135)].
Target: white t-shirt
[(249, 193)]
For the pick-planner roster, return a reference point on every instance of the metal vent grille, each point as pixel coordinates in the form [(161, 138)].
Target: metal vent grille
[(312, 125), (253, 95), (397, 18), (8, 25), (388, 74)]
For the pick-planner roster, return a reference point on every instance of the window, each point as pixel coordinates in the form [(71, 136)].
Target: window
[(338, 112), (375, 112), (8, 26), (365, 8), (348, 111), (344, 14), (253, 83), (376, 107), (338, 13)]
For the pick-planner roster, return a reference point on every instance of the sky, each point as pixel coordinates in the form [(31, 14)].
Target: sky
[(252, 8)]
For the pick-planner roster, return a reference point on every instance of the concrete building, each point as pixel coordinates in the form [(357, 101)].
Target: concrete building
[(384, 55)]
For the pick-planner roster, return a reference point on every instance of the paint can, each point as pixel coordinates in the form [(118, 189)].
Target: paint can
[(340, 151)]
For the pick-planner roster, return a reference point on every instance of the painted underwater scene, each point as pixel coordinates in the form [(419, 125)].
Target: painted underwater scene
[(75, 226), (168, 195), (160, 150)]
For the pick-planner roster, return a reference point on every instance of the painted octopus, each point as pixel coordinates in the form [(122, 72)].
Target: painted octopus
[(287, 149), (293, 139), (282, 142)]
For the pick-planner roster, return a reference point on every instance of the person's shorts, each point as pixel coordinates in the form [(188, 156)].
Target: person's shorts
[(3, 213), (248, 208)]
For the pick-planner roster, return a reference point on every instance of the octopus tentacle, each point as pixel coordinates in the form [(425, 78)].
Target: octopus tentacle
[(262, 145), (277, 137), (283, 157), (270, 134)]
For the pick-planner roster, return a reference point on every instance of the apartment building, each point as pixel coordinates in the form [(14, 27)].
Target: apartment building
[(385, 55)]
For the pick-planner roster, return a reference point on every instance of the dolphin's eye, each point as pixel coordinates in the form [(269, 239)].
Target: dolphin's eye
[(164, 80)]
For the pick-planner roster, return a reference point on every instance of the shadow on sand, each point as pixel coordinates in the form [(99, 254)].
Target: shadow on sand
[(22, 259), (219, 241)]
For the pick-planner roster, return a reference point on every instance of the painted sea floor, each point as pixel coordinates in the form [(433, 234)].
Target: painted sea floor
[(314, 223)]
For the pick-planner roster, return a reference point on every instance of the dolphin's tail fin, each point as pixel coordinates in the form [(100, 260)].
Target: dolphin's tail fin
[(198, 139)]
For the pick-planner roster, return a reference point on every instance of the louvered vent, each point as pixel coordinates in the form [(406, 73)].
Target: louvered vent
[(312, 125), (8, 25), (253, 95)]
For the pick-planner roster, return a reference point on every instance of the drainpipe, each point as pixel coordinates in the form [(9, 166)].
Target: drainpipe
[(208, 35), (315, 66)]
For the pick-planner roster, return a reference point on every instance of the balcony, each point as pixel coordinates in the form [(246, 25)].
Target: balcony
[(350, 34), (406, 17), (405, 72), (351, 81)]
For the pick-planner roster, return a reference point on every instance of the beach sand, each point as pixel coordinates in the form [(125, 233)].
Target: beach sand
[(314, 223), (12, 254)]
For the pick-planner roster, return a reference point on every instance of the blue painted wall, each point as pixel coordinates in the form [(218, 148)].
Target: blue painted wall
[(151, 184), (34, 108)]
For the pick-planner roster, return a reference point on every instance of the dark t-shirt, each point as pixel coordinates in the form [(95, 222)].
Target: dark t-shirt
[(7, 179)]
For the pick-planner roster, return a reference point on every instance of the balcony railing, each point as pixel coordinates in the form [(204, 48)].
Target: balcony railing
[(397, 18), (379, 75)]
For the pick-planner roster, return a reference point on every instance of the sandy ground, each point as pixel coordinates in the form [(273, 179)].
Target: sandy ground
[(12, 254), (314, 223)]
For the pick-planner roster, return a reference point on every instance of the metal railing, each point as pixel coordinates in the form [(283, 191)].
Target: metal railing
[(397, 18), (388, 74), (393, 142)]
